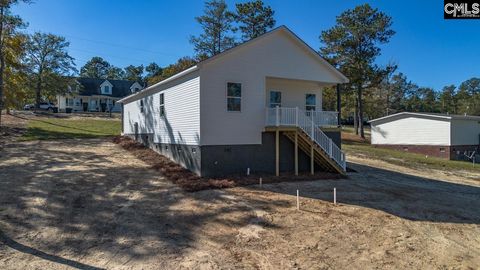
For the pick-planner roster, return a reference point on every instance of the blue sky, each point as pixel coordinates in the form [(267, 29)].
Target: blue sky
[(431, 51)]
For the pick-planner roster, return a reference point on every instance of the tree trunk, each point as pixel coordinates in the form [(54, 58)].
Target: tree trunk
[(355, 116), (388, 102), (360, 112), (2, 62), (38, 90)]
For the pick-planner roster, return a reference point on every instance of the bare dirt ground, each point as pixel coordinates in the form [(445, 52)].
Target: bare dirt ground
[(88, 204), (11, 128)]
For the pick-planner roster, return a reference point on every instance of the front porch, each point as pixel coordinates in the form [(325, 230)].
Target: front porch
[(307, 130), (94, 103)]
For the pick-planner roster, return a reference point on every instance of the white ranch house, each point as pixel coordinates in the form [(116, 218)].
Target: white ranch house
[(96, 95), (440, 135), (255, 107)]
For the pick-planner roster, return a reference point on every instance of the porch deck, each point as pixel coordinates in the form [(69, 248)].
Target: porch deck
[(308, 127)]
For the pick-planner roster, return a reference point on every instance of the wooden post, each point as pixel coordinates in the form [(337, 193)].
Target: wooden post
[(312, 160), (277, 152), (296, 152)]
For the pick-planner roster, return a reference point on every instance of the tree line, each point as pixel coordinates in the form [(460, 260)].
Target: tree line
[(38, 65), (30, 65)]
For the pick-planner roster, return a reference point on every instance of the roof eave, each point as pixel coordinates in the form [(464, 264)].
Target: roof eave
[(147, 90), (411, 114)]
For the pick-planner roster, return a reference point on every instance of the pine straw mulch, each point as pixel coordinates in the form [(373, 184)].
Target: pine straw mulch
[(191, 182)]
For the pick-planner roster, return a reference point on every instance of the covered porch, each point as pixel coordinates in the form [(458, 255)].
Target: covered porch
[(303, 95), (294, 109), (94, 103)]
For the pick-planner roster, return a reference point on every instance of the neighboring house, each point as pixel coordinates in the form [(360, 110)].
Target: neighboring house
[(97, 95), (252, 107), (440, 135)]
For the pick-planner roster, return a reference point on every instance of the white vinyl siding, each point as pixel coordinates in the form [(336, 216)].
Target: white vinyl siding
[(412, 131), (132, 114), (273, 56), (181, 122)]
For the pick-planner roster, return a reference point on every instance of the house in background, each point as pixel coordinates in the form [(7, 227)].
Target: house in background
[(255, 107), (439, 135), (97, 95)]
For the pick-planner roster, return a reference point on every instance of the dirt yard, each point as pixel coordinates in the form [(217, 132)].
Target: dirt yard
[(88, 204)]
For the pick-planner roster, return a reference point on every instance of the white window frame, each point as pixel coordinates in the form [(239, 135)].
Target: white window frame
[(162, 111), (270, 99), (228, 97), (307, 106)]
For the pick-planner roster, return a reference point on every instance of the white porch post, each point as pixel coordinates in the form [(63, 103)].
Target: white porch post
[(277, 114), (296, 116)]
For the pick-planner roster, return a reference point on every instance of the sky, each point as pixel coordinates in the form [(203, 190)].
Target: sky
[(430, 51)]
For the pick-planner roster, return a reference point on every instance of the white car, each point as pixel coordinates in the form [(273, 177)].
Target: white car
[(47, 106), (28, 107)]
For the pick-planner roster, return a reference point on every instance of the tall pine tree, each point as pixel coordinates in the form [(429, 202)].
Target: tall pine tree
[(254, 19), (353, 45), (217, 29)]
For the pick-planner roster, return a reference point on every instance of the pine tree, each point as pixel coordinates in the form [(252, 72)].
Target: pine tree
[(254, 19), (217, 29)]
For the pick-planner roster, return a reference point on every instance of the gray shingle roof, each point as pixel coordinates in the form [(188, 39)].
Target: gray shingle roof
[(91, 86)]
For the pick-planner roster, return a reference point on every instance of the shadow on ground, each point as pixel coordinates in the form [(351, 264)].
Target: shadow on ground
[(406, 196), (89, 200)]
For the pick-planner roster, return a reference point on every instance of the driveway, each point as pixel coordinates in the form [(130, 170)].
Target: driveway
[(88, 204)]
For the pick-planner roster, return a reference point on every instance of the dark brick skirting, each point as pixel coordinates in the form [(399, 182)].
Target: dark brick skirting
[(224, 160), (455, 152)]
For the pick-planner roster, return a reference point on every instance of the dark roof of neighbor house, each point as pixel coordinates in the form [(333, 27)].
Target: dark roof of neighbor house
[(439, 116), (91, 86)]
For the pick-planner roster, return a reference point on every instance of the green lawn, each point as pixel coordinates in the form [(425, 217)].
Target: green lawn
[(411, 160), (53, 128)]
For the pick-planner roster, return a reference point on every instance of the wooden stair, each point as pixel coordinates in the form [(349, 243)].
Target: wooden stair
[(321, 157)]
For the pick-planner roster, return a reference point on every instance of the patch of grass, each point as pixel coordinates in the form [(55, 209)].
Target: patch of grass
[(410, 160), (52, 129)]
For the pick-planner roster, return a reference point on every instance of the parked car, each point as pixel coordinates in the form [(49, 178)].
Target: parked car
[(47, 106), (28, 107)]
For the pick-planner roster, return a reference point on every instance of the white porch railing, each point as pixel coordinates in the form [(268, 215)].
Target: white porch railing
[(281, 116), (324, 118)]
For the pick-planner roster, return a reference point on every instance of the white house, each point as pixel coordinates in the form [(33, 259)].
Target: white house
[(441, 135), (249, 108), (96, 95)]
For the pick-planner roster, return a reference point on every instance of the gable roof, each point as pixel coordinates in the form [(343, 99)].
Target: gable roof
[(437, 116), (283, 28), (297, 39), (91, 86)]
